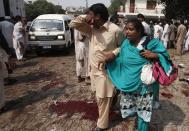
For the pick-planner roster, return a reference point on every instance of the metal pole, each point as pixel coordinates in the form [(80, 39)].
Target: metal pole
[(86, 3)]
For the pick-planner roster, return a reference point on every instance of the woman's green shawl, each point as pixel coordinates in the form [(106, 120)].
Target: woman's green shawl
[(125, 70)]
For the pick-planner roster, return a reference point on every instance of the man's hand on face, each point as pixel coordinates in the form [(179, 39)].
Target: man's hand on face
[(89, 19)]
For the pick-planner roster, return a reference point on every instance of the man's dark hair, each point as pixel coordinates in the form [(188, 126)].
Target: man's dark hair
[(100, 9), (182, 21), (114, 19), (140, 16), (137, 25), (18, 18)]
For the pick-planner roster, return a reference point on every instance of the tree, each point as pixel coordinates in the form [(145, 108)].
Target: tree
[(176, 8), (115, 5), (40, 7)]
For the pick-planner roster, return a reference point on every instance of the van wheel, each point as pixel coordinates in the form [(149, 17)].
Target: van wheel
[(38, 52)]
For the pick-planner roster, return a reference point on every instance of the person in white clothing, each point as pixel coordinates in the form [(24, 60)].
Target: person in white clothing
[(146, 26), (186, 47), (82, 53), (18, 38), (165, 36), (158, 31)]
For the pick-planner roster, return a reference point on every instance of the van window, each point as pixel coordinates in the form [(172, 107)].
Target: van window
[(47, 25)]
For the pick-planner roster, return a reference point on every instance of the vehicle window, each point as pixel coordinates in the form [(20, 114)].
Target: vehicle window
[(47, 25)]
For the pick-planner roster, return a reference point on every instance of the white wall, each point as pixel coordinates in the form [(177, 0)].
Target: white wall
[(17, 8), (140, 4), (2, 11), (140, 7), (127, 5)]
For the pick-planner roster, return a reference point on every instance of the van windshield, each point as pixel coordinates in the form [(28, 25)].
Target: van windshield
[(47, 25)]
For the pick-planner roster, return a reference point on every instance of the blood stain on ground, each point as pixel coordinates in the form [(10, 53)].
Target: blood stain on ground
[(185, 92), (54, 84), (90, 110), (167, 95)]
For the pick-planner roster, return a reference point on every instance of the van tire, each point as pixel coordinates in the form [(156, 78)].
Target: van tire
[(38, 52)]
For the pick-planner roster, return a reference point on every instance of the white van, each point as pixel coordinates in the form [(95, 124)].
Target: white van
[(50, 31)]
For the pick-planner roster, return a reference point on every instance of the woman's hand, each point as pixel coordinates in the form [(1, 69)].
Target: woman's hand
[(149, 55), (109, 56)]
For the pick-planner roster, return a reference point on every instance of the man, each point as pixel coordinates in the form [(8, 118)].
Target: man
[(180, 38), (2, 70), (146, 26), (104, 37), (81, 52), (7, 28), (165, 36), (18, 38), (158, 31), (172, 34)]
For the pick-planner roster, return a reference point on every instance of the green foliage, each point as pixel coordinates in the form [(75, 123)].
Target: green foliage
[(40, 7), (115, 5), (176, 8)]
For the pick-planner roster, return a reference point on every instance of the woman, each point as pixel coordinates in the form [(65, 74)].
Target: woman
[(125, 71)]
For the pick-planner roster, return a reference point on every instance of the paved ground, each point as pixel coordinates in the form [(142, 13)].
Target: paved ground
[(47, 97)]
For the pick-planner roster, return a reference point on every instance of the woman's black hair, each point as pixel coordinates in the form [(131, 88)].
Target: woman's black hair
[(137, 25), (100, 9)]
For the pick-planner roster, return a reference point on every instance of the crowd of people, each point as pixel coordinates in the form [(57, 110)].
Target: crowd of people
[(111, 56), (13, 41), (173, 34)]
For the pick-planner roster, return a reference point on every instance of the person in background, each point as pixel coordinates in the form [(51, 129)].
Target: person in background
[(7, 60), (114, 19), (172, 34), (25, 33), (158, 31), (180, 38), (7, 28), (165, 36), (186, 47), (146, 26), (81, 51), (104, 37), (19, 38), (151, 28)]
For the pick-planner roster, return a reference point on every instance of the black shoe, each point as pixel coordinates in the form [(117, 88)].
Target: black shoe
[(80, 79), (9, 81), (98, 129)]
